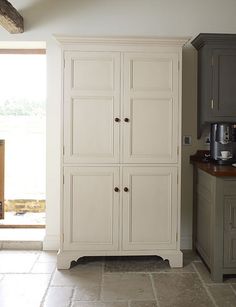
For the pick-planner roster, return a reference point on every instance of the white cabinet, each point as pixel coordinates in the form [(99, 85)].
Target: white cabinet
[(121, 138), (93, 102), (93, 196)]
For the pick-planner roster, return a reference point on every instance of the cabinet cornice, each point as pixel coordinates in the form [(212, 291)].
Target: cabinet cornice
[(213, 38), (123, 40)]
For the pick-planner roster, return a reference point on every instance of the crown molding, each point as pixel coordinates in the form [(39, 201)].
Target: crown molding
[(124, 40)]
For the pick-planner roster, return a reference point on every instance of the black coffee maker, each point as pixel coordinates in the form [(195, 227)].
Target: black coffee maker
[(223, 143)]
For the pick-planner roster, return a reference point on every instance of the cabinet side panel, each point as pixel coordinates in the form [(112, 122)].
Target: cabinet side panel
[(204, 215)]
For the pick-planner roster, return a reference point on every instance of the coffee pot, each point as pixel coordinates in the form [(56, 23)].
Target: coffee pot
[(223, 143)]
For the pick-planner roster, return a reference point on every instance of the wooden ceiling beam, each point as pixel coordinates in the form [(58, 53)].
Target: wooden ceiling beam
[(10, 18)]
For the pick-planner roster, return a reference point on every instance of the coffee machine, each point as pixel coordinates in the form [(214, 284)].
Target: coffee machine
[(223, 143)]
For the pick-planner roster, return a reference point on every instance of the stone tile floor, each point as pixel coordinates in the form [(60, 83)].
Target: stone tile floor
[(30, 279)]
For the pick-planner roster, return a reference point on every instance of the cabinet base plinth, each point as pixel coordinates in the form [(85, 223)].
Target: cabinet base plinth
[(176, 260), (64, 258)]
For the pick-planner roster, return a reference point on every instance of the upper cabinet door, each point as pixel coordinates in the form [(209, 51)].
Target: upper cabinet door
[(91, 107), (224, 81), (150, 112), (216, 79)]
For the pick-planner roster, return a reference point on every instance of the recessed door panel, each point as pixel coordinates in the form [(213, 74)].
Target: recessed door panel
[(230, 231), (92, 73), (92, 128), (149, 209), (152, 73), (151, 128), (224, 79), (91, 214)]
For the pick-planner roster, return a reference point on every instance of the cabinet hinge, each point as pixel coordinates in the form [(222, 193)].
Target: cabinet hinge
[(178, 65), (177, 150), (63, 179), (64, 63), (63, 238), (176, 236), (212, 104), (63, 150)]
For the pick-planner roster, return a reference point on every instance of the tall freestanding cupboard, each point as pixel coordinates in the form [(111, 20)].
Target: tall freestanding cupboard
[(121, 148)]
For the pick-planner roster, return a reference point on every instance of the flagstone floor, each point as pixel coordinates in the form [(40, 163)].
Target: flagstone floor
[(30, 279)]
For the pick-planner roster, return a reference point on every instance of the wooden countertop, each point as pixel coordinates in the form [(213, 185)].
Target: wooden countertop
[(213, 169)]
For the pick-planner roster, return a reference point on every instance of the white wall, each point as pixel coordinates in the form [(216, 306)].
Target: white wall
[(124, 17)]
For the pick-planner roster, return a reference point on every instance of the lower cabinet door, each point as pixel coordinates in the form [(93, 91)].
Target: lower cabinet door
[(91, 208), (230, 231), (150, 210)]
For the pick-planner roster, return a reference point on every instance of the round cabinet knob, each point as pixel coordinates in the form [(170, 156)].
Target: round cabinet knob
[(126, 120), (116, 189), (117, 120), (126, 189)]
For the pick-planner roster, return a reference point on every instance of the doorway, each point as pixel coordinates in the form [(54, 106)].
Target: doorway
[(22, 131)]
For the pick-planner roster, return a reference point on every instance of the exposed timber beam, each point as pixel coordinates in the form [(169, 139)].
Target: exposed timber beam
[(10, 18)]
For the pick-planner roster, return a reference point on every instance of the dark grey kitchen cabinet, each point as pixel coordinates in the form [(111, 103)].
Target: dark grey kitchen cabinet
[(216, 78), (215, 222)]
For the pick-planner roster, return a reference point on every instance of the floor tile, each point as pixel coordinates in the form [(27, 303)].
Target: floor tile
[(87, 289), (100, 304), (23, 290), (126, 286), (125, 282), (82, 275), (190, 256), (88, 285), (230, 279), (143, 304), (135, 264), (17, 261), (48, 257), (187, 268), (234, 287), (203, 271), (223, 295), (143, 264), (43, 267), (58, 297), (180, 290), (206, 276)]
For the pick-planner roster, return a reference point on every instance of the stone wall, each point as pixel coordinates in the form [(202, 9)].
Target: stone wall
[(25, 205)]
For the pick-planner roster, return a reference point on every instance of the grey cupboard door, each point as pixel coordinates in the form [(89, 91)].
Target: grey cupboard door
[(224, 83), (230, 231)]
